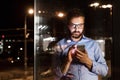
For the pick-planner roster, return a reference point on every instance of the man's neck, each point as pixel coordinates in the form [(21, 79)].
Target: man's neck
[(76, 39)]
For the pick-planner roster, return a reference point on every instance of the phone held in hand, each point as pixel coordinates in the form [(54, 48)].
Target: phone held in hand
[(81, 48)]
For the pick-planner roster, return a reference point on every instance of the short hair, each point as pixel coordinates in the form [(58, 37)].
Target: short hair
[(74, 13)]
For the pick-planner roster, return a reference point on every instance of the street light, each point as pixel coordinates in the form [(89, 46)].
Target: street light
[(60, 14), (30, 11), (104, 6), (96, 4)]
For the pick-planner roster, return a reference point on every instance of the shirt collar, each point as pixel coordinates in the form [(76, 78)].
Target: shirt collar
[(70, 40)]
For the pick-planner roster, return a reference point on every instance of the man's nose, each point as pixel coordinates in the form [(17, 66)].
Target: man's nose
[(76, 28)]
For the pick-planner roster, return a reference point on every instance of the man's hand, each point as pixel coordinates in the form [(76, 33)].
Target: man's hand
[(83, 58), (71, 54)]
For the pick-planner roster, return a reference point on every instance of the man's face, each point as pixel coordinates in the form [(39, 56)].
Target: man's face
[(76, 27)]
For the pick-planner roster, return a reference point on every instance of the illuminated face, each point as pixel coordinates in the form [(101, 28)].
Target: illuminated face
[(76, 27)]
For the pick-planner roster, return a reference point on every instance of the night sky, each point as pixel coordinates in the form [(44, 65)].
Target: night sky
[(12, 12)]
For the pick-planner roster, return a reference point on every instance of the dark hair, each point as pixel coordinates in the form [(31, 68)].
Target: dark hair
[(74, 13)]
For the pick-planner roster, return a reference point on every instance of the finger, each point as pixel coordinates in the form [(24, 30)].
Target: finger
[(70, 52), (80, 52), (79, 55), (85, 51)]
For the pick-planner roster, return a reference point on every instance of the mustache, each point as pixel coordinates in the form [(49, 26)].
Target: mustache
[(75, 32)]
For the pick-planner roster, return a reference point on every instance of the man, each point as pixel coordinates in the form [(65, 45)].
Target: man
[(73, 63)]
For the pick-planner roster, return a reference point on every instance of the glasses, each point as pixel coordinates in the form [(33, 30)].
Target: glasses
[(79, 26)]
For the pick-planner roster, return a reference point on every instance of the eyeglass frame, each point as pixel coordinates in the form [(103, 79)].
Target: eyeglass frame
[(80, 26)]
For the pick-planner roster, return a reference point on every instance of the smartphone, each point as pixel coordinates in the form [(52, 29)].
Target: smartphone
[(81, 48)]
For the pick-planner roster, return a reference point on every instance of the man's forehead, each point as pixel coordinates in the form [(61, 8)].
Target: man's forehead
[(76, 23)]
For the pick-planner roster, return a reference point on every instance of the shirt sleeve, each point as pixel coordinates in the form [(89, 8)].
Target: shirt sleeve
[(99, 65)]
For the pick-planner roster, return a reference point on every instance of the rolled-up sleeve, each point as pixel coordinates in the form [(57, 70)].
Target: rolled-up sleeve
[(99, 65), (100, 69)]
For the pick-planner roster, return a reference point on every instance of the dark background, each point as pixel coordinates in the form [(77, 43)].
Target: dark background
[(116, 41), (12, 12), (12, 17)]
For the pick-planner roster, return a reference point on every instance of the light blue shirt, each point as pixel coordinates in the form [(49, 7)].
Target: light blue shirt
[(76, 69)]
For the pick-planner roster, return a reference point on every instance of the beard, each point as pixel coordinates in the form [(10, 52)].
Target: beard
[(76, 34)]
